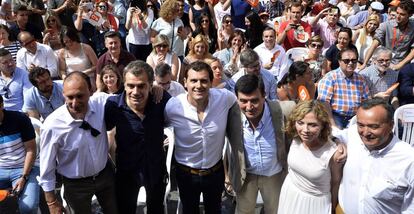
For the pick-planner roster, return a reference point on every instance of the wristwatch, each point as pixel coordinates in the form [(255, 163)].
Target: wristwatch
[(25, 177)]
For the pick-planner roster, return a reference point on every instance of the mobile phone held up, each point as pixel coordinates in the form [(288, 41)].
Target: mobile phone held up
[(138, 3)]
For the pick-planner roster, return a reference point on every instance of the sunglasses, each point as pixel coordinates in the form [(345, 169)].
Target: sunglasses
[(228, 21), (316, 46), (102, 6), (347, 61), (205, 21), (24, 44), (162, 46)]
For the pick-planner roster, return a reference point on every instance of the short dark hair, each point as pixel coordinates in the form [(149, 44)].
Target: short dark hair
[(35, 73), (248, 57), (248, 84), (371, 103), (407, 5), (80, 74), (162, 69), (347, 49), (4, 52), (20, 7), (71, 33), (139, 67), (295, 4), (269, 29), (297, 68), (199, 66), (112, 34), (2, 26)]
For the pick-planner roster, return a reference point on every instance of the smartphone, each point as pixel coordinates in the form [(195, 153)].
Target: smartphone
[(138, 3)]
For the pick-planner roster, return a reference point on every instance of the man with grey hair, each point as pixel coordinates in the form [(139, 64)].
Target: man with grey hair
[(250, 64), (379, 76), (139, 125)]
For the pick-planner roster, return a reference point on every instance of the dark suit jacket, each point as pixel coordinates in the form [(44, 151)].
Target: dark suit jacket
[(237, 163), (406, 80)]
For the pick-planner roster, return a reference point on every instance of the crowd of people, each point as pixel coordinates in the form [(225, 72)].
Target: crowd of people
[(259, 95)]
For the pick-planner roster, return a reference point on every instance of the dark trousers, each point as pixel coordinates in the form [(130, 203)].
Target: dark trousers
[(140, 51), (78, 192), (127, 189), (341, 121), (191, 186)]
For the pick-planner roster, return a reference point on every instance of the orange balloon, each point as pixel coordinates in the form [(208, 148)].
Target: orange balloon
[(3, 194)]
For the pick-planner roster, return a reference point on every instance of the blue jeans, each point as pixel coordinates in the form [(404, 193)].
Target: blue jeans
[(29, 197)]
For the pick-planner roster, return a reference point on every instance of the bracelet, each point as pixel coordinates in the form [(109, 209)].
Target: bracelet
[(51, 203)]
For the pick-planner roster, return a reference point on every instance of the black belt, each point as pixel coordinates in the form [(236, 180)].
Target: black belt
[(93, 177), (201, 172)]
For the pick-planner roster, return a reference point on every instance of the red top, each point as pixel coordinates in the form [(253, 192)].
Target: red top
[(290, 41)]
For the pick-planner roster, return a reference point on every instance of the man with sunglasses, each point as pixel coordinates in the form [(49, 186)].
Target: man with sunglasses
[(13, 82), (379, 76), (342, 89), (46, 95), (33, 54)]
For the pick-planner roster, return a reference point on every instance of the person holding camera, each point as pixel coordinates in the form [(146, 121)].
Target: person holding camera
[(295, 32)]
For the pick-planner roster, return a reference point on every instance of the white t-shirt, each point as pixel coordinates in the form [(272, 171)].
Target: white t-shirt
[(163, 27)]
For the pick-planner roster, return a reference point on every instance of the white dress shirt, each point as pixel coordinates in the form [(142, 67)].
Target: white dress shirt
[(380, 181), (73, 151), (199, 144), (44, 57), (279, 68)]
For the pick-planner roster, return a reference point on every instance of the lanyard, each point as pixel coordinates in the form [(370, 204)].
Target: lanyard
[(394, 43)]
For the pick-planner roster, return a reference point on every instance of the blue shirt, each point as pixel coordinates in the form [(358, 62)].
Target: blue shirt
[(139, 142), (260, 146), (34, 100), (13, 90), (269, 82), (361, 17)]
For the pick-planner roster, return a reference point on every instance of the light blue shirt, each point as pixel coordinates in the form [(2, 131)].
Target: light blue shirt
[(34, 100), (269, 82), (260, 146), (13, 89)]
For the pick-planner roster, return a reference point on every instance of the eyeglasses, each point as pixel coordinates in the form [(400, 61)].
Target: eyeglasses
[(102, 7), (205, 21), (313, 45), (24, 44), (381, 61), (228, 21), (6, 92), (347, 61)]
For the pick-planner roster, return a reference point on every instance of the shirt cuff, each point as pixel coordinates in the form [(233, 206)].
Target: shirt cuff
[(47, 186)]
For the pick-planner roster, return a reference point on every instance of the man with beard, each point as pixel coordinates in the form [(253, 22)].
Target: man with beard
[(46, 95)]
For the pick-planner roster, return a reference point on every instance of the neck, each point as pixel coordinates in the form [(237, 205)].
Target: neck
[(140, 108), (254, 123), (314, 145), (200, 105), (403, 25), (269, 46), (112, 89), (115, 55), (6, 74), (216, 82), (46, 94)]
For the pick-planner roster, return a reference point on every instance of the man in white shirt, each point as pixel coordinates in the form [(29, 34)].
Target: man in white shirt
[(163, 78), (199, 119), (74, 142), (378, 176), (35, 54), (272, 56)]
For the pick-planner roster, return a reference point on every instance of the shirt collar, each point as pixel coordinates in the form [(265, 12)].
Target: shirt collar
[(383, 151)]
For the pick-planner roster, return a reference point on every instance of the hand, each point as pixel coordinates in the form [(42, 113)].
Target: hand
[(361, 67), (383, 95), (56, 208), (268, 66), (220, 36), (160, 59), (157, 91), (325, 11), (19, 185), (341, 153), (396, 67), (46, 37), (182, 33)]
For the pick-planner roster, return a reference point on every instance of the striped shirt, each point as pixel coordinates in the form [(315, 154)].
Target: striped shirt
[(13, 47), (344, 94), (15, 129)]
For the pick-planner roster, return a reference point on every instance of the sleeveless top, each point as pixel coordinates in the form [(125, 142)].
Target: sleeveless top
[(77, 63), (363, 47), (197, 13)]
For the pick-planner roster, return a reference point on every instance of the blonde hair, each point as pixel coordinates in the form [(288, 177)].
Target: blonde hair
[(199, 39), (301, 110), (168, 9), (160, 39), (364, 32)]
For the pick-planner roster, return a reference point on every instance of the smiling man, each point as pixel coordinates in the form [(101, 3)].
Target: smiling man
[(199, 120), (139, 127), (378, 176), (342, 89), (259, 157)]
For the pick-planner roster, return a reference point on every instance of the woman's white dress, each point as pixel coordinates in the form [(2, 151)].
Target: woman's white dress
[(307, 187)]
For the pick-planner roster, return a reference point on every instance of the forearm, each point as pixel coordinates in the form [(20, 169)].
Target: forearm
[(282, 37), (78, 22), (407, 59), (30, 157), (89, 71), (50, 196)]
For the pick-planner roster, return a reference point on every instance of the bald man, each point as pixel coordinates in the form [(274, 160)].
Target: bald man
[(34, 54), (74, 142)]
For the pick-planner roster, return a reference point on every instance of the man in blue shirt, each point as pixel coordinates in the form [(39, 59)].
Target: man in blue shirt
[(46, 95), (263, 165), (139, 123)]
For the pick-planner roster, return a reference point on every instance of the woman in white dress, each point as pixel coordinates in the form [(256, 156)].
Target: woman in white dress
[(312, 183)]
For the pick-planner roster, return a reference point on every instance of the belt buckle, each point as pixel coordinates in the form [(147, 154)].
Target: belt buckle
[(203, 172)]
